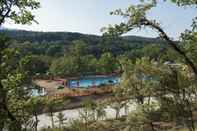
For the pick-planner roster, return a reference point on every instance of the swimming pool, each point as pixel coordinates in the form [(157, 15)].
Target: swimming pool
[(93, 81)]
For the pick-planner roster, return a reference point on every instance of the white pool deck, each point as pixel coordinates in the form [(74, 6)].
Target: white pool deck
[(45, 121)]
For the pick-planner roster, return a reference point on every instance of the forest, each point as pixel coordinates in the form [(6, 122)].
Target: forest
[(66, 54), (157, 90)]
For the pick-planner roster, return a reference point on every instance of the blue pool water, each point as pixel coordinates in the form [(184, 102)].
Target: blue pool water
[(93, 81)]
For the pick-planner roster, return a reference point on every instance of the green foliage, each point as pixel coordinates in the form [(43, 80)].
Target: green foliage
[(64, 66), (56, 44), (78, 62), (136, 18), (12, 74), (13, 93), (79, 54), (54, 50), (77, 125), (107, 63), (89, 64), (171, 86), (78, 48), (21, 13), (162, 92), (36, 64), (189, 40), (185, 2)]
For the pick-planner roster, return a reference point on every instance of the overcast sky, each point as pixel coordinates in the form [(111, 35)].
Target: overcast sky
[(89, 16)]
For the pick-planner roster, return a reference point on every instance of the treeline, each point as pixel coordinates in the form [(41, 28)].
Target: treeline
[(57, 43), (34, 36), (65, 54)]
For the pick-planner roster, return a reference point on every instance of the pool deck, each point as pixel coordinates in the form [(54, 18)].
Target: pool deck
[(51, 87)]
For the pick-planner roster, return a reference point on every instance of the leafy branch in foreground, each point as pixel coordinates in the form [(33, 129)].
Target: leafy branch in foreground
[(19, 11), (136, 17), (12, 76)]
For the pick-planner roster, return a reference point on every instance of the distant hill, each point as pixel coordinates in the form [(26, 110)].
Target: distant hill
[(35, 36), (58, 42)]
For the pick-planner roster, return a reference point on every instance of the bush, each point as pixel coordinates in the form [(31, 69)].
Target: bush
[(60, 87)]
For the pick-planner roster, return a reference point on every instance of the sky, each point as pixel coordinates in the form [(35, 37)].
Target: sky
[(89, 16)]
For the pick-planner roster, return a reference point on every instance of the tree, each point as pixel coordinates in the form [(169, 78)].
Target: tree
[(51, 105), (107, 63), (88, 113), (78, 48), (11, 81), (153, 51), (54, 50), (172, 87), (100, 111), (88, 64), (34, 106), (65, 66), (136, 18), (61, 119), (36, 64)]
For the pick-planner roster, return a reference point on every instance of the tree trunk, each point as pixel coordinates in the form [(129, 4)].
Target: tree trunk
[(52, 120), (1, 126), (117, 113), (36, 124), (191, 121), (152, 126)]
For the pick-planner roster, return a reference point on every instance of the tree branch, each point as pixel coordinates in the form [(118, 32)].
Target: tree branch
[(7, 10), (171, 43)]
